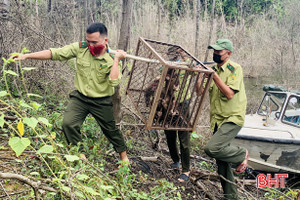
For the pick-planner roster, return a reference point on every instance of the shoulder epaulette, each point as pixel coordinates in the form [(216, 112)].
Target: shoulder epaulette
[(82, 45), (230, 67)]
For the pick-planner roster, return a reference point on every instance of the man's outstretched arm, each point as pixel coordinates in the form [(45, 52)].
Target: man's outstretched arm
[(40, 55)]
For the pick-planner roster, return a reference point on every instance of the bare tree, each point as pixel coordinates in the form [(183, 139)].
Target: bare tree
[(158, 18), (122, 44), (197, 26), (4, 9), (212, 17), (49, 5)]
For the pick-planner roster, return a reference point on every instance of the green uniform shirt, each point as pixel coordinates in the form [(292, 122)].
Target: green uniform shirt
[(221, 109), (92, 77)]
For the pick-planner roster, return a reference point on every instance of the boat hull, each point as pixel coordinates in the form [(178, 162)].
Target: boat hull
[(270, 156)]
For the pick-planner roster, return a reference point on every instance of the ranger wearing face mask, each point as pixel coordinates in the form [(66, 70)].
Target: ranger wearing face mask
[(227, 113), (97, 72)]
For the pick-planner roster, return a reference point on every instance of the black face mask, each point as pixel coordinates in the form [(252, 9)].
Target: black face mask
[(217, 58)]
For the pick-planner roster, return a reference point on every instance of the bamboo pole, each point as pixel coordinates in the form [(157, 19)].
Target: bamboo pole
[(148, 60)]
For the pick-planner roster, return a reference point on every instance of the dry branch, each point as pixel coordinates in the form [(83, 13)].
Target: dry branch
[(201, 158), (36, 185), (15, 193), (203, 174), (212, 176), (87, 162), (10, 118), (6, 194), (151, 159), (205, 190)]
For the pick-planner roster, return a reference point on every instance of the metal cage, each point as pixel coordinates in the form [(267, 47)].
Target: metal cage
[(162, 87)]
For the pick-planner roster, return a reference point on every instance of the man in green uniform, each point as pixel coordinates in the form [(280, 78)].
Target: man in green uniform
[(97, 72), (227, 113)]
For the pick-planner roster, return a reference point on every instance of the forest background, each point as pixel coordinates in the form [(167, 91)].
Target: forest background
[(265, 34)]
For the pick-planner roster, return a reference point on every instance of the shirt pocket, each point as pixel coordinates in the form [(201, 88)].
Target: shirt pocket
[(102, 73), (83, 69)]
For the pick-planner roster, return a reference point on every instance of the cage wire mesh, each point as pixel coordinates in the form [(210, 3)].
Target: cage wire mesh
[(162, 86)]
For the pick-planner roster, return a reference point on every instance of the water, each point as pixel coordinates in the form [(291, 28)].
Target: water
[(254, 89)]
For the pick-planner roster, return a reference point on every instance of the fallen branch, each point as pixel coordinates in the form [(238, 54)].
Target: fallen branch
[(239, 187), (205, 190), (151, 159), (8, 158), (247, 182), (15, 193), (201, 158), (95, 168), (6, 194), (129, 124), (165, 194), (10, 118), (36, 185), (201, 174)]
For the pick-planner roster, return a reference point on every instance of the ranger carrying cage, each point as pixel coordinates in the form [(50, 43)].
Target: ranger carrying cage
[(162, 87)]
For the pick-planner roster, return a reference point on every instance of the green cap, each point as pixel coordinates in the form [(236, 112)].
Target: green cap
[(222, 44)]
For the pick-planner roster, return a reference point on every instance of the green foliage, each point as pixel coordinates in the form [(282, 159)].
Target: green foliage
[(18, 144), (232, 9), (273, 193), (176, 8), (195, 135), (45, 149), (2, 121), (207, 166), (71, 158)]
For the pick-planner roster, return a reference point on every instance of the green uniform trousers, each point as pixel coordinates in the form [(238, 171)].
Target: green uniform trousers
[(218, 147), (101, 109), (184, 140)]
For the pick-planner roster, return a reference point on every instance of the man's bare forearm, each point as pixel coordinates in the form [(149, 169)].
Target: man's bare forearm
[(40, 55), (115, 72)]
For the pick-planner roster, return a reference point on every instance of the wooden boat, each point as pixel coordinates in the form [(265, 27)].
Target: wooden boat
[(272, 134)]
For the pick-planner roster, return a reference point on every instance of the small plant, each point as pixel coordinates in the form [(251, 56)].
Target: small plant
[(207, 166)]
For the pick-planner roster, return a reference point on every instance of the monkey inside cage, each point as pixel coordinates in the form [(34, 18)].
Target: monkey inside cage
[(163, 86)]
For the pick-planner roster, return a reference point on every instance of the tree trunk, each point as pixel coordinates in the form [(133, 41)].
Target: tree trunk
[(86, 13), (205, 10), (197, 27), (122, 44), (49, 7), (212, 16), (4, 9), (158, 18), (89, 12), (125, 25)]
